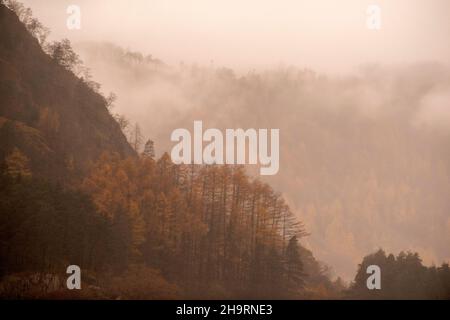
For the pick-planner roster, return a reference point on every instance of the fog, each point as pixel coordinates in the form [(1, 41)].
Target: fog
[(324, 35), (364, 116)]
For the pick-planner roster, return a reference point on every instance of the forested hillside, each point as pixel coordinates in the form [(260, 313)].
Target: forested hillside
[(73, 191), (49, 114), (403, 277), (363, 156), (363, 166)]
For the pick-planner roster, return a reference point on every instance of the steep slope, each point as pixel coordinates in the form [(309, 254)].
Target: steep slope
[(49, 114), (136, 217)]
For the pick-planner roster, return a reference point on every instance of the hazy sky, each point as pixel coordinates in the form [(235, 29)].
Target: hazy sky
[(323, 35)]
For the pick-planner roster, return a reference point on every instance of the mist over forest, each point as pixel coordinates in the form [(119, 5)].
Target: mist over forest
[(364, 160), (86, 175)]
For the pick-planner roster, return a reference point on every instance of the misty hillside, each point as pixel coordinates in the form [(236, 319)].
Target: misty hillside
[(87, 179), (73, 191), (365, 161), (50, 115)]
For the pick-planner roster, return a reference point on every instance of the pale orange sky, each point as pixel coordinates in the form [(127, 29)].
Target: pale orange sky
[(329, 36)]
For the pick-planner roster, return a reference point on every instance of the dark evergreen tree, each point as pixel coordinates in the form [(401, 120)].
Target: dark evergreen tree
[(294, 265), (149, 149)]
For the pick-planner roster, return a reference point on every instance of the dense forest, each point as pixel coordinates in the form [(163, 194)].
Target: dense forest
[(403, 277), (78, 185), (356, 150), (208, 229), (130, 221)]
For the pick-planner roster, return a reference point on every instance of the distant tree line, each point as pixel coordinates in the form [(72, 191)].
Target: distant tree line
[(402, 277)]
